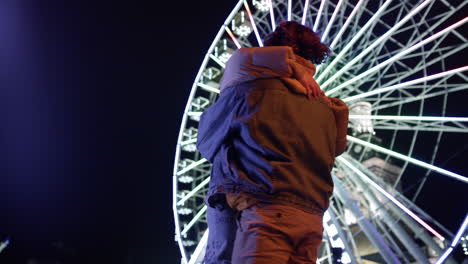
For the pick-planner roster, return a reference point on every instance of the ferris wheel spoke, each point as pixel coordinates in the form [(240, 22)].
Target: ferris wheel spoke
[(191, 166), (319, 15), (406, 84), (306, 10), (422, 96), (439, 19), (252, 21), (208, 88), (379, 41), (218, 61), (417, 123), (408, 159), (398, 76), (194, 191), (197, 254), (272, 15), (332, 20), (337, 37), (355, 38), (194, 220), (231, 35), (398, 56), (389, 196)]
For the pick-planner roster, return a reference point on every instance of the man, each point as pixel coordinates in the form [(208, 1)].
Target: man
[(272, 137)]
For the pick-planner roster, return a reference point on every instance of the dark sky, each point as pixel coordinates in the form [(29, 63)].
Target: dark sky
[(91, 98)]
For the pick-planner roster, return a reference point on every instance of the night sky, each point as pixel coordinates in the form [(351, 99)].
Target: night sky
[(91, 99)]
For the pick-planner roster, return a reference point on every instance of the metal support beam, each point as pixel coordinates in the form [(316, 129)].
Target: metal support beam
[(371, 232)]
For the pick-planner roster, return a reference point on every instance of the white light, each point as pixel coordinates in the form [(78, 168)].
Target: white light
[(391, 198), (398, 56), (252, 21), (262, 5), (345, 258), (405, 84), (184, 211), (348, 21), (409, 159), (272, 15), (460, 232), (332, 19), (350, 219), (411, 118), (224, 57), (185, 179), (355, 38), (289, 9), (193, 192), (193, 221), (218, 61), (191, 166), (208, 88), (232, 37), (444, 256), (201, 245), (326, 217), (243, 30), (317, 20), (306, 9), (375, 43), (188, 243), (332, 231)]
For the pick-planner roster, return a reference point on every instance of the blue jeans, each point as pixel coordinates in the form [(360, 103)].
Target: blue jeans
[(222, 225)]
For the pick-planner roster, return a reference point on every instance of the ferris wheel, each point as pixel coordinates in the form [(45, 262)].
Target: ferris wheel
[(395, 64)]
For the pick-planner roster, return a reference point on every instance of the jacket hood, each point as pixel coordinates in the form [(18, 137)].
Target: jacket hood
[(248, 64)]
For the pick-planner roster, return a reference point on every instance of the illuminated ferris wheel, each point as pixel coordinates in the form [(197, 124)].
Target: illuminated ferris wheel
[(390, 64)]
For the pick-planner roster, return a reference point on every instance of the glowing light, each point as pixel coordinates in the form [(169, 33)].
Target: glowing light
[(391, 198), (191, 166), (252, 21), (355, 38), (184, 211), (408, 159), (405, 84), (444, 256), (218, 61), (460, 232), (201, 245), (185, 179), (194, 191), (332, 19), (232, 37), (208, 88), (398, 56), (375, 43), (262, 5), (289, 9), (411, 118), (224, 57), (317, 20), (272, 15), (306, 9), (194, 220), (243, 30)]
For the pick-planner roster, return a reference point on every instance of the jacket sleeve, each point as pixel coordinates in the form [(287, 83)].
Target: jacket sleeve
[(341, 112), (214, 126)]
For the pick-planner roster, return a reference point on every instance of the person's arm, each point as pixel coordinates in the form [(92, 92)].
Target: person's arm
[(341, 112), (214, 126)]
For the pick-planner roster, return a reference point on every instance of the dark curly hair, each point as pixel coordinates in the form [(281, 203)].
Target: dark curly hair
[(305, 42)]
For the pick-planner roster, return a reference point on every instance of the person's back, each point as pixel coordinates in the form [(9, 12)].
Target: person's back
[(272, 146)]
